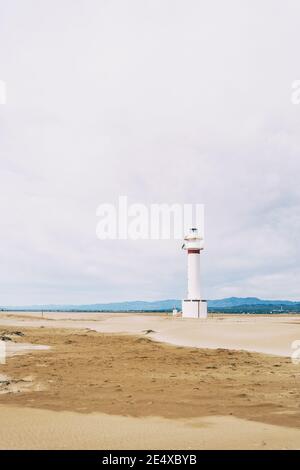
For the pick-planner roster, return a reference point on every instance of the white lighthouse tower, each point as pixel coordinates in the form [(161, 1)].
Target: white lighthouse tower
[(193, 306)]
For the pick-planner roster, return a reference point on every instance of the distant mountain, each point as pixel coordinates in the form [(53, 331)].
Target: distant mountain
[(235, 304), (138, 305), (238, 301)]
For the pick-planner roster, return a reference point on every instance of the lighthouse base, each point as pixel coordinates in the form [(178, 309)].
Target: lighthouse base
[(194, 309)]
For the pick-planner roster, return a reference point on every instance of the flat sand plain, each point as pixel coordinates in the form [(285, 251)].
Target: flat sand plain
[(112, 382), (270, 334)]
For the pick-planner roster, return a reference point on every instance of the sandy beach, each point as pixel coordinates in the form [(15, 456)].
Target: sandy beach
[(148, 381), (270, 334)]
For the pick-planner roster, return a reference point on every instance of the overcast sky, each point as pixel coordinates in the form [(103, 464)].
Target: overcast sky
[(185, 101)]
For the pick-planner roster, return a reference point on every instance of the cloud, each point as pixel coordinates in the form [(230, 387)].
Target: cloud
[(163, 101)]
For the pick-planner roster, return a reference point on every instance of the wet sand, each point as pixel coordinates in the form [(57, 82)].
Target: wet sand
[(190, 394)]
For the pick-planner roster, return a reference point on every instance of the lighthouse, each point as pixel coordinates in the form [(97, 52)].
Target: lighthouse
[(193, 306)]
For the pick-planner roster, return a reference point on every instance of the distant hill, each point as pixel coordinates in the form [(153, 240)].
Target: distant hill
[(138, 305), (230, 304), (237, 301)]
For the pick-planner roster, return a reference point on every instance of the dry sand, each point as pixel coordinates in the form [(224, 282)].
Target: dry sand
[(270, 334), (93, 390), (42, 429)]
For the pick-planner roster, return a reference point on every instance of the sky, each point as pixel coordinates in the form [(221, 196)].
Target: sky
[(163, 101)]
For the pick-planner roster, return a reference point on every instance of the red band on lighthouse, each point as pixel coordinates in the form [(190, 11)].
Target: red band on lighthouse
[(193, 251)]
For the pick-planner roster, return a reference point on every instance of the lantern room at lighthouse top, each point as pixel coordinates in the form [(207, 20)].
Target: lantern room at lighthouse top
[(193, 241)]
